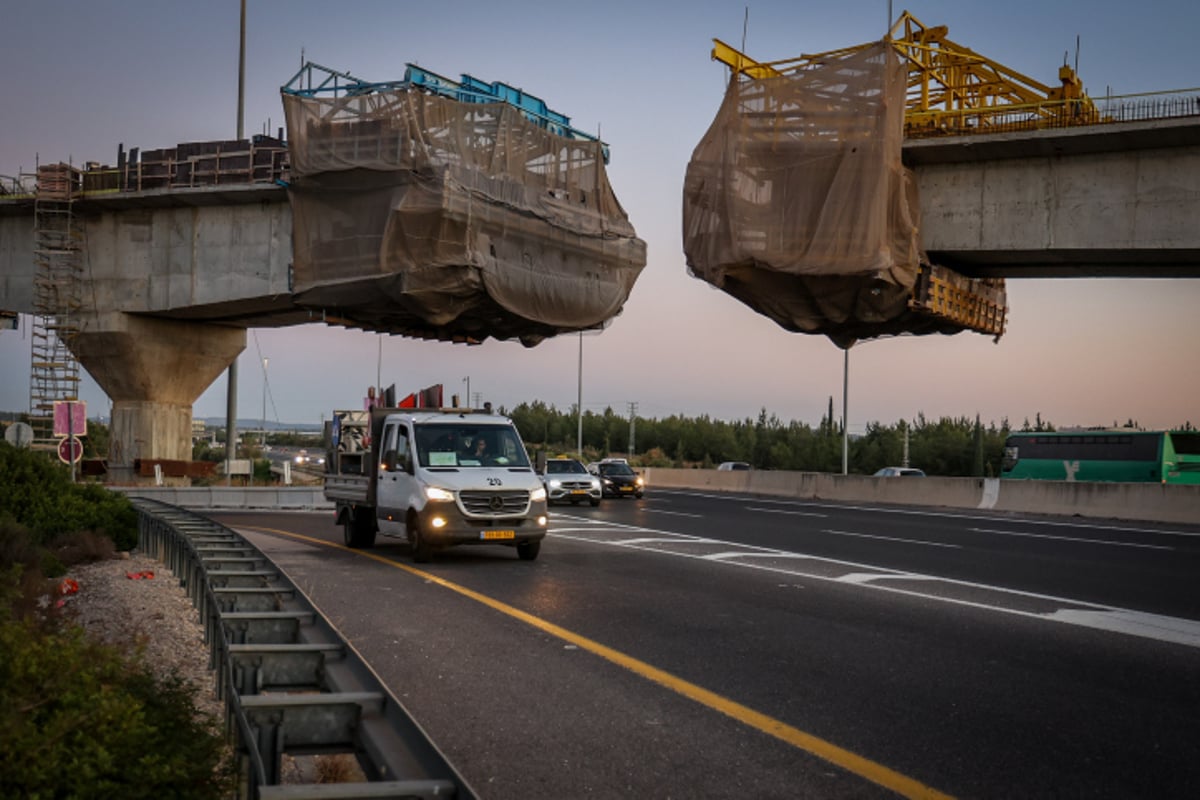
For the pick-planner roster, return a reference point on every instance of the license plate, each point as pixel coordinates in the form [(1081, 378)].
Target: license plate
[(579, 491), (626, 488), (497, 534)]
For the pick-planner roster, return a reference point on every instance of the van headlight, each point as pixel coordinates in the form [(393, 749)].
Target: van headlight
[(538, 494), (438, 493)]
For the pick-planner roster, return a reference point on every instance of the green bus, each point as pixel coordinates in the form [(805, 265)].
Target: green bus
[(1104, 455)]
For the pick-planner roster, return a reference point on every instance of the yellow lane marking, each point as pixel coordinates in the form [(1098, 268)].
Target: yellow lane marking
[(814, 745)]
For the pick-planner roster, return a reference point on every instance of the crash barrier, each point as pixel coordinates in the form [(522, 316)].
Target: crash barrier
[(1149, 502), (290, 683), (234, 498)]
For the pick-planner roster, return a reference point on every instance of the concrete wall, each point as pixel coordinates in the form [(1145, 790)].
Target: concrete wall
[(1149, 502), (1117, 199), (1132, 501), (222, 498), (167, 251), (16, 263), (158, 259)]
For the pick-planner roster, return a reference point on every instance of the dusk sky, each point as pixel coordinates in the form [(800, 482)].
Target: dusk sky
[(85, 76)]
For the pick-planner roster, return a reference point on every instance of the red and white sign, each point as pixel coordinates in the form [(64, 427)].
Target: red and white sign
[(70, 418), (70, 450)]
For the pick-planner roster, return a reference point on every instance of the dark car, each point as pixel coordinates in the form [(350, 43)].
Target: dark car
[(617, 478)]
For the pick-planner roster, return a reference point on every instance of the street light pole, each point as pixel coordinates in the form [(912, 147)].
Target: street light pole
[(264, 403), (845, 407), (579, 401)]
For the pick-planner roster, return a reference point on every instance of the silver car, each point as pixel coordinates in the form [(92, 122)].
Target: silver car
[(567, 480)]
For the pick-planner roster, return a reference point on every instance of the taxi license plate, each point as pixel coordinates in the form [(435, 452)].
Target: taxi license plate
[(497, 534)]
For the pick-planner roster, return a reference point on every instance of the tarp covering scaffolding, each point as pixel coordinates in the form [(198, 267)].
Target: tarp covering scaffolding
[(796, 203), (424, 216)]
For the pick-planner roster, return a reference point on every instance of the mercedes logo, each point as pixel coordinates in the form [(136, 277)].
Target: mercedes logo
[(496, 502)]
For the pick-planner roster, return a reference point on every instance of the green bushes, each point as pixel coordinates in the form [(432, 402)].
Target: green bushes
[(77, 720), (38, 494)]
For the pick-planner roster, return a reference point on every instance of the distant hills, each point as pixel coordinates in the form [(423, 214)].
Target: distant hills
[(255, 424)]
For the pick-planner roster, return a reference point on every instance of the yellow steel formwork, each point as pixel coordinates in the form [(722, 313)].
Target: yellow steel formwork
[(951, 89)]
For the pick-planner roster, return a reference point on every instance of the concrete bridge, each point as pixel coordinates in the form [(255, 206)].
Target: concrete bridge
[(175, 277)]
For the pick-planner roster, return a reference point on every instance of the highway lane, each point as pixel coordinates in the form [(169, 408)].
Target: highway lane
[(665, 635)]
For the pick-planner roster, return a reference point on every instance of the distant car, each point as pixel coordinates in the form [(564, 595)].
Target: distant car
[(734, 466), (617, 478), (900, 472), (568, 480), (303, 458)]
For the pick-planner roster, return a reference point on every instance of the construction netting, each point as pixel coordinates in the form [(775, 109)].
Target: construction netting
[(797, 203), (425, 216)]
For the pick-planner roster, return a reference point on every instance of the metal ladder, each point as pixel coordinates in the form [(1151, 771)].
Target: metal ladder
[(57, 298)]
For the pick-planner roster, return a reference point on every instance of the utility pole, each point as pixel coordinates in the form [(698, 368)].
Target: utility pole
[(579, 403), (632, 424), (231, 387)]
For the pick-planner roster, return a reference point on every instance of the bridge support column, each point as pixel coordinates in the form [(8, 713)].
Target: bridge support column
[(153, 370)]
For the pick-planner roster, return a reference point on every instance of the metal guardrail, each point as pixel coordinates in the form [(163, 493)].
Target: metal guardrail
[(290, 683), (1017, 118)]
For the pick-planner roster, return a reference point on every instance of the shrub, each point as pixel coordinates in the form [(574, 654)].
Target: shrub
[(78, 720), (39, 494)]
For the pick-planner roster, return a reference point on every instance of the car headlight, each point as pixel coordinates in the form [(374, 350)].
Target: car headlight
[(438, 493), (538, 494), (595, 484), (555, 483), (639, 481)]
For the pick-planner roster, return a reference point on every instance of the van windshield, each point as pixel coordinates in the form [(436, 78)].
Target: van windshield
[(469, 445)]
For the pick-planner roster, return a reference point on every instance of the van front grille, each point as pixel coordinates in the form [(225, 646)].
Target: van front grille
[(501, 503)]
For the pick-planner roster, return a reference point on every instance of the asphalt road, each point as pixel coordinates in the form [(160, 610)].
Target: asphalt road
[(699, 646)]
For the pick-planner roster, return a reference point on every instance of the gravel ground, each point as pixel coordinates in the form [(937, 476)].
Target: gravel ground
[(155, 615), (152, 615)]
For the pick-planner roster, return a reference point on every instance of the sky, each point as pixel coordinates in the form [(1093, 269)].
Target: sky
[(85, 76)]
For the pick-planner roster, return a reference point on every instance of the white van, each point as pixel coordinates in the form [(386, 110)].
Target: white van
[(442, 478)]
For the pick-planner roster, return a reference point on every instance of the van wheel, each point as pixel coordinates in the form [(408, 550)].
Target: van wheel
[(358, 532), (528, 551), (421, 550)]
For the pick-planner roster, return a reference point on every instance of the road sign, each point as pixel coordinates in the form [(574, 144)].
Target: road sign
[(70, 418), (70, 450), (19, 435)]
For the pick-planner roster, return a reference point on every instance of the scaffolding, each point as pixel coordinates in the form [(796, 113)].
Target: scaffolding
[(57, 293)]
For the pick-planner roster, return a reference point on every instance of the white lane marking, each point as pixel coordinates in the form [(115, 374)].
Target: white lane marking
[(736, 554), (672, 513), (923, 513), (1072, 539), (665, 539), (1078, 612), (893, 539), (785, 511), (1138, 623), (867, 577)]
